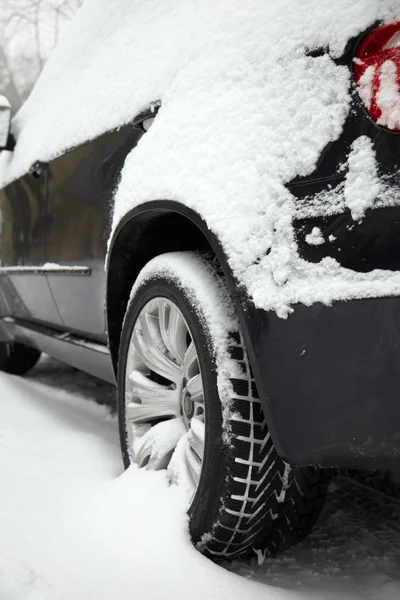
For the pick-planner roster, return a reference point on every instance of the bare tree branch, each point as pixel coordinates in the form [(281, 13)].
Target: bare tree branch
[(29, 29)]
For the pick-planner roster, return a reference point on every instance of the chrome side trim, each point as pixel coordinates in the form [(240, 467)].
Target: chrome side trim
[(46, 270)]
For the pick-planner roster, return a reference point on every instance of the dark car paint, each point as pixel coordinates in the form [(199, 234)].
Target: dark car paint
[(80, 192), (23, 225), (66, 212), (327, 376)]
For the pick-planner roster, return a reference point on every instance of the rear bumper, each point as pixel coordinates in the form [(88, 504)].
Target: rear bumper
[(330, 382)]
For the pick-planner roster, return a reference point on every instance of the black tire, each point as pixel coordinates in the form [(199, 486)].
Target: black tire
[(248, 498), (17, 359)]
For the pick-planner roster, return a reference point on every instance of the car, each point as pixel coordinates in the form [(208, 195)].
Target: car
[(201, 204)]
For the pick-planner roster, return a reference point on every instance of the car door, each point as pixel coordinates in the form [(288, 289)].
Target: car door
[(25, 293), (81, 185)]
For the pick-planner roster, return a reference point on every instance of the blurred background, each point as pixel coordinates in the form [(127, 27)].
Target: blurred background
[(29, 30)]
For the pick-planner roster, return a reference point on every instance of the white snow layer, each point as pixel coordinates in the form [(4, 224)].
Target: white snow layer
[(388, 95), (244, 110), (362, 184), (315, 238), (74, 527)]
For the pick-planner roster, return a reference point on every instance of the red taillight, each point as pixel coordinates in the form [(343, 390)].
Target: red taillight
[(377, 74)]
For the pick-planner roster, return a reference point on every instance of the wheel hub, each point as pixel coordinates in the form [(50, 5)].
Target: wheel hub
[(187, 406)]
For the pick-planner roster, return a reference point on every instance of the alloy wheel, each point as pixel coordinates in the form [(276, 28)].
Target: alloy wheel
[(164, 395)]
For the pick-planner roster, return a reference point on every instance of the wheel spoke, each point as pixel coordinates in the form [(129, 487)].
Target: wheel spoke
[(150, 352), (196, 436), (173, 330), (192, 462), (149, 391), (190, 361), (140, 413), (195, 388), (155, 448)]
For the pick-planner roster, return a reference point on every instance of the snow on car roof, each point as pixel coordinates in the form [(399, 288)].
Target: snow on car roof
[(244, 110)]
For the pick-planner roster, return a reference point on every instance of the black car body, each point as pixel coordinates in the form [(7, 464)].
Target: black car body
[(328, 374)]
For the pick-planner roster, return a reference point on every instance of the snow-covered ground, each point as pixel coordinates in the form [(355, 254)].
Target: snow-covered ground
[(73, 527)]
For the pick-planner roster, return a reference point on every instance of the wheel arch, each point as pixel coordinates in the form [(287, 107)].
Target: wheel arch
[(146, 231), (154, 228)]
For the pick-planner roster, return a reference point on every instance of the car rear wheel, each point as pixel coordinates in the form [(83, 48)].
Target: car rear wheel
[(188, 403), (17, 359)]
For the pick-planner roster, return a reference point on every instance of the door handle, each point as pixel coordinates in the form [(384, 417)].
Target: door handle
[(37, 169)]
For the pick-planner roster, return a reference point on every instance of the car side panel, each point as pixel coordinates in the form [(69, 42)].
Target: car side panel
[(81, 186), (24, 293)]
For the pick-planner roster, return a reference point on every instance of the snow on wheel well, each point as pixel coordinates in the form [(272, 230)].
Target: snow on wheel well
[(143, 235)]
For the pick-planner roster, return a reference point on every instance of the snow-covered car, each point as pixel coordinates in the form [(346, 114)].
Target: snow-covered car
[(201, 202)]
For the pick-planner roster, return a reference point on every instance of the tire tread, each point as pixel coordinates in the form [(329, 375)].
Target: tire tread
[(258, 478)]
